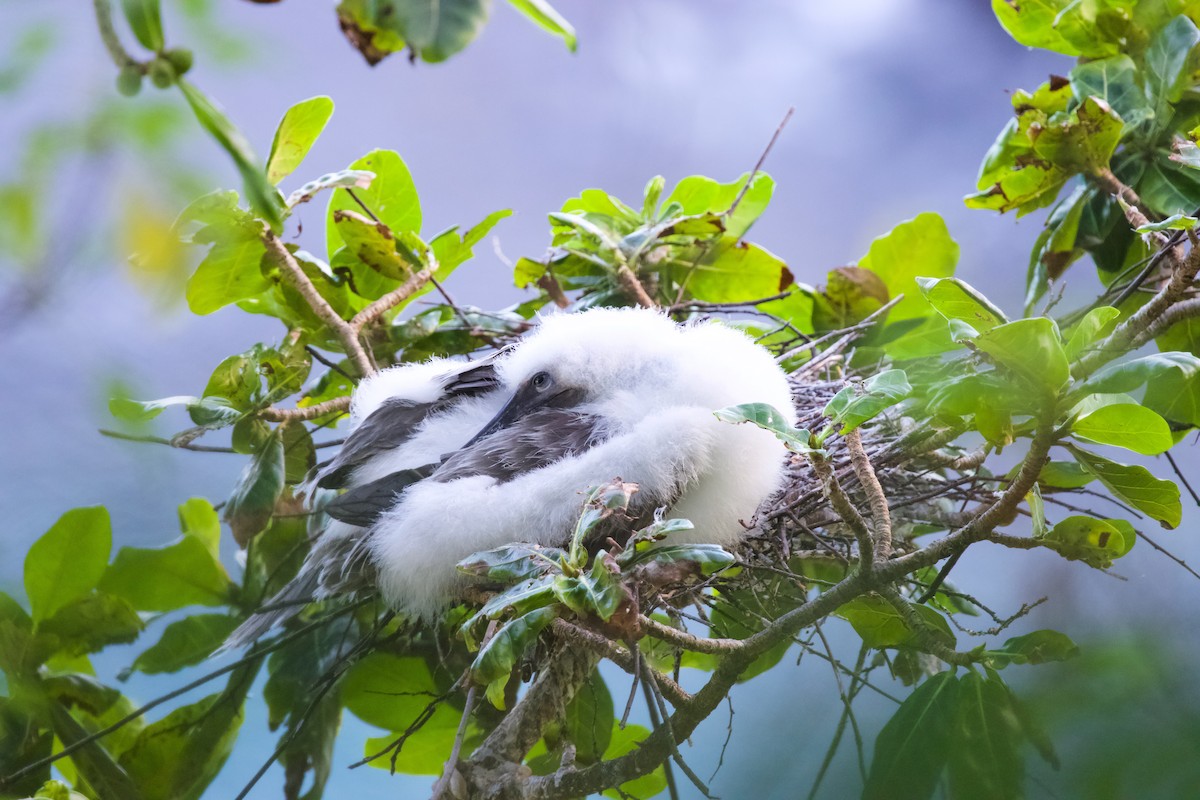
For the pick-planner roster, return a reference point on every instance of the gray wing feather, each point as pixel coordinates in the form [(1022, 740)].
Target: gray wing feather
[(393, 423), (362, 505), (533, 442)]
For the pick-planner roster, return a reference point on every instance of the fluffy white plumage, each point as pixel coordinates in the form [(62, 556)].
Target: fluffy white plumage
[(653, 385)]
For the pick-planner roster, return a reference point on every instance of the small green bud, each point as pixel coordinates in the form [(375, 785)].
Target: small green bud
[(162, 73), (180, 58), (129, 80)]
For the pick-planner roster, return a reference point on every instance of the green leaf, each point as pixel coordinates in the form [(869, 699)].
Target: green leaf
[(706, 559), (92, 761), (880, 625), (433, 31), (198, 518), (1064, 475), (262, 196), (920, 247), (185, 642), (1082, 142), (230, 272), (697, 194), (514, 562), (1166, 61), (598, 593), (1038, 647), (734, 271), (389, 691), (955, 299), (497, 658), (624, 741), (546, 18), (768, 418), (985, 759), (912, 748), (854, 405), (1135, 486), (1030, 348), (1127, 425), (177, 757), (145, 20), (392, 197), (373, 244), (589, 719), (1094, 541), (67, 561), (425, 752), (166, 578), (296, 134), (1097, 324), (1175, 222), (1115, 81), (92, 622), (252, 503)]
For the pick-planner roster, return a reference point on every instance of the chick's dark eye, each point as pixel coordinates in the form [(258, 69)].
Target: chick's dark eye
[(542, 381)]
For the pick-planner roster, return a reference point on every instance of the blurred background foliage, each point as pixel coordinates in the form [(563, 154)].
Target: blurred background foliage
[(893, 110)]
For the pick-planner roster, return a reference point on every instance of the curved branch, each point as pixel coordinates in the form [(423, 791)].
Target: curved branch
[(272, 414)]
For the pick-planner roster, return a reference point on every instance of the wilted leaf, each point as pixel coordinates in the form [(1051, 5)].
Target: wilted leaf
[(252, 503)]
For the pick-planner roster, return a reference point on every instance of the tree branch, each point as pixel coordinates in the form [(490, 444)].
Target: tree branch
[(869, 481)]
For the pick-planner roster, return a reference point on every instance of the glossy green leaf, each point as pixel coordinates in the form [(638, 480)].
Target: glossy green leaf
[(854, 405), (768, 418), (955, 299), (296, 134), (252, 503), (1098, 323), (597, 593), (185, 642), (703, 559), (1136, 486), (1127, 425), (166, 578), (548, 19), (145, 20), (1115, 81), (985, 758), (1030, 348), (1166, 60), (497, 658), (920, 247), (514, 562), (912, 748), (67, 561), (1038, 647)]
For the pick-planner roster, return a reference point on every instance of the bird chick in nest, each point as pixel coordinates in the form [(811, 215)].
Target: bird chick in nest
[(449, 458)]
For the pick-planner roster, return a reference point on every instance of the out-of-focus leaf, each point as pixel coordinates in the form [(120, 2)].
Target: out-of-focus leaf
[(1127, 425), (912, 748), (164, 579), (296, 134), (1166, 61), (1038, 647), (92, 622), (199, 519), (185, 642), (1175, 222), (145, 20), (880, 624), (92, 761), (1135, 486), (67, 561), (985, 758), (548, 19), (177, 757), (434, 32), (624, 741), (262, 196), (252, 503), (1064, 475)]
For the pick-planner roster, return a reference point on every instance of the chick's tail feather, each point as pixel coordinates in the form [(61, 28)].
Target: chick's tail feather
[(287, 603)]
